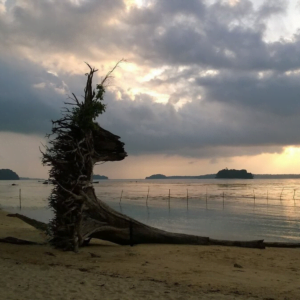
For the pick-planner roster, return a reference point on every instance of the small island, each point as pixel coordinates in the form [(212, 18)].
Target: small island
[(233, 174), (7, 174), (237, 174), (157, 176), (99, 177)]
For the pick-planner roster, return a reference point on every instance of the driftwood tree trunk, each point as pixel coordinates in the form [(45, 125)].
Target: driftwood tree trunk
[(123, 230), (129, 237), (78, 143)]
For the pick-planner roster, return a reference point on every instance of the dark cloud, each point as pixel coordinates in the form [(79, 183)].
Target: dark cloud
[(166, 32), (28, 97), (199, 128), (273, 93), (216, 36), (272, 7)]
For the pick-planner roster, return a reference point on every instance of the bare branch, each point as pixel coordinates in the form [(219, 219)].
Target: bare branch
[(112, 70)]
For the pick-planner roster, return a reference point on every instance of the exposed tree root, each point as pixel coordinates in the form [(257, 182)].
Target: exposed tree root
[(13, 240), (34, 223), (282, 245)]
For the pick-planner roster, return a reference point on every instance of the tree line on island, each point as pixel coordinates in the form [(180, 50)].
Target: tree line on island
[(100, 177), (234, 174), (228, 174), (7, 174), (222, 174)]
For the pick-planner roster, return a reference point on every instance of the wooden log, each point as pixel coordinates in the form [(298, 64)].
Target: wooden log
[(143, 234), (259, 244), (13, 240), (34, 223), (282, 245)]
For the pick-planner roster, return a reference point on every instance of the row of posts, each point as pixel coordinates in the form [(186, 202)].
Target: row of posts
[(169, 198), (187, 197)]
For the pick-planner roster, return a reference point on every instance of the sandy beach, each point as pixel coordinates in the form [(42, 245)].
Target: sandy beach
[(107, 271)]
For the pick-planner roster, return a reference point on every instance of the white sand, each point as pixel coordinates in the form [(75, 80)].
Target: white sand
[(143, 272)]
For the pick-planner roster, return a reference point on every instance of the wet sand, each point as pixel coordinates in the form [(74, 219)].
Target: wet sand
[(106, 271)]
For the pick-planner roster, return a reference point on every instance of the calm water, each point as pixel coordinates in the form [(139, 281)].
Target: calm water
[(227, 209)]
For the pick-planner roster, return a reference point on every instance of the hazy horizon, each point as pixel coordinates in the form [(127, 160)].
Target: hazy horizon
[(172, 175)]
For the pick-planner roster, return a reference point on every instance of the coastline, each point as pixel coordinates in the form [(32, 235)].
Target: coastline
[(143, 271)]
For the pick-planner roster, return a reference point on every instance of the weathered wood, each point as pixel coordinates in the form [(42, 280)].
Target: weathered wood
[(143, 234), (13, 240), (282, 245), (245, 244), (34, 223)]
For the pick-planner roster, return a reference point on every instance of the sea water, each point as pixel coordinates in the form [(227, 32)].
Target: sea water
[(266, 209)]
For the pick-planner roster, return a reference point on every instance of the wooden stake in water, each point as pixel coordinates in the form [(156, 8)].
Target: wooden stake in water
[(254, 196), (294, 196), (281, 193), (20, 199), (187, 198), (223, 201), (121, 196), (147, 197), (169, 198)]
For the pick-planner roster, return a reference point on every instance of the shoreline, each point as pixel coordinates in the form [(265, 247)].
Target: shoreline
[(142, 271)]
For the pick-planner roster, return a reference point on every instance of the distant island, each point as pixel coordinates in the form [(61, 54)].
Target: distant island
[(157, 176), (233, 174), (7, 174), (212, 176), (99, 177)]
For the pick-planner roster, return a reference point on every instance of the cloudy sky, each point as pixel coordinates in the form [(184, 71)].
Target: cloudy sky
[(207, 84)]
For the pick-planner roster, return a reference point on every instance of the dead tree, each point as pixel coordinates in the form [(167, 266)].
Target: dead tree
[(76, 144)]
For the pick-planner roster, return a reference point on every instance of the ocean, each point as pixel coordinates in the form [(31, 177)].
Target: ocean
[(266, 209)]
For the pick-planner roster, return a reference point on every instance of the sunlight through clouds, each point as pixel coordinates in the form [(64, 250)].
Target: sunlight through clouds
[(288, 161), (136, 3), (292, 152), (233, 2), (2, 6)]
